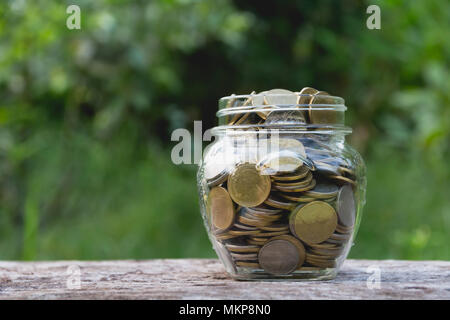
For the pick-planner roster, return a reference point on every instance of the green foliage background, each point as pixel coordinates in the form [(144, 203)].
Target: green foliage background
[(86, 116)]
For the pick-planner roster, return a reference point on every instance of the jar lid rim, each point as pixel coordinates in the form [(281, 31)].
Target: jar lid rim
[(339, 100), (281, 108)]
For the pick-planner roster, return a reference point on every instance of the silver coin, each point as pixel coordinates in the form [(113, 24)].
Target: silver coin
[(346, 207), (323, 190), (326, 169), (244, 256), (281, 97), (285, 117), (282, 162), (279, 257)]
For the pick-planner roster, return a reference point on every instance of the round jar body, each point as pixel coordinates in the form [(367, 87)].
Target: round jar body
[(280, 200)]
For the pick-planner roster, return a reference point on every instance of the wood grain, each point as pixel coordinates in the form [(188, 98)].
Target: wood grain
[(206, 279)]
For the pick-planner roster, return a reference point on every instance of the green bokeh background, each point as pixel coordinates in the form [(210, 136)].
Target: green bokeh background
[(86, 116)]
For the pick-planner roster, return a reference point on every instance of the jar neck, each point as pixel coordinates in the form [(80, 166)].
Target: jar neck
[(325, 131), (309, 111), (243, 134)]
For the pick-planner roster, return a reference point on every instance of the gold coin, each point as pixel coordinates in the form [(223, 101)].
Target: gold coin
[(317, 257), (303, 268), (256, 243), (278, 203), (304, 98), (320, 263), (244, 227), (299, 174), (259, 240), (253, 222), (237, 116), (244, 256), (221, 208), (269, 221), (324, 245), (244, 232), (344, 179), (247, 186), (348, 171), (224, 236), (259, 217), (260, 237), (279, 257), (305, 95), (246, 264), (322, 114), (230, 104), (249, 118), (334, 253), (313, 222), (297, 197), (273, 233), (275, 227), (311, 185), (266, 217), (299, 183), (242, 248), (303, 199)]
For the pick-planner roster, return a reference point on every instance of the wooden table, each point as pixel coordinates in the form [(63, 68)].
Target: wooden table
[(206, 279)]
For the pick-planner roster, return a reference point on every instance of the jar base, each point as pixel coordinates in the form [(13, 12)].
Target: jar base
[(243, 274)]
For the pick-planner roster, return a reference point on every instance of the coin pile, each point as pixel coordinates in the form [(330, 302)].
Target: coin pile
[(292, 210), (280, 106)]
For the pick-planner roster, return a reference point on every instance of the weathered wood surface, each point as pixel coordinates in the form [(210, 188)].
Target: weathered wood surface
[(206, 279)]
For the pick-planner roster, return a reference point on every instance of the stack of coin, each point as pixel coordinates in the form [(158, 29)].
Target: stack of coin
[(308, 106), (289, 210)]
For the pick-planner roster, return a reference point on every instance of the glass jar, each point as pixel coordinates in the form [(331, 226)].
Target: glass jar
[(281, 192)]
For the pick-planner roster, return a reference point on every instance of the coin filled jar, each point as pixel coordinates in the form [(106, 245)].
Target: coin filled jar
[(281, 192)]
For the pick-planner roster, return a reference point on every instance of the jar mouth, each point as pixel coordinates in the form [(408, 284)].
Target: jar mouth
[(320, 112)]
